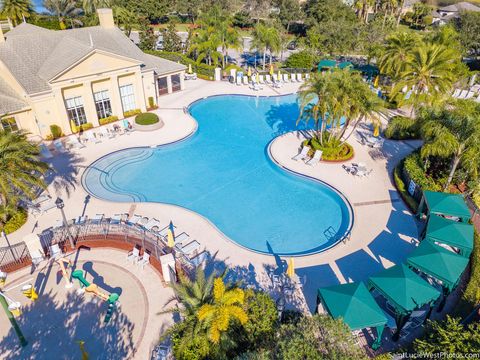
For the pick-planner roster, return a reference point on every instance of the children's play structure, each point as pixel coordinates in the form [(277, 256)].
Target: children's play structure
[(64, 264), (92, 288)]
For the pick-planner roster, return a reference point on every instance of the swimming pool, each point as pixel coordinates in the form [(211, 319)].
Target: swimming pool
[(224, 172)]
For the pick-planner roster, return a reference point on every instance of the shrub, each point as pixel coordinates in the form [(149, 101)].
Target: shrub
[(402, 189), (108, 120), (302, 59), (151, 103), (16, 221), (402, 128), (332, 152), (471, 296), (86, 126), (132, 112), (413, 166), (56, 131), (146, 119)]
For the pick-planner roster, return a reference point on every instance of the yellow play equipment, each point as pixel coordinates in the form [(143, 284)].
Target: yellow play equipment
[(64, 264), (29, 291)]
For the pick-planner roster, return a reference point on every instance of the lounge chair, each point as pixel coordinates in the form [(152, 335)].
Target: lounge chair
[(469, 95), (116, 219), (58, 145), (152, 223), (133, 255), (190, 248), (245, 80), (477, 99), (316, 158), (268, 79), (456, 93), (45, 152), (293, 77), (285, 78), (55, 250), (463, 94), (73, 142), (239, 80), (261, 79), (275, 78), (126, 126), (181, 238), (48, 205), (255, 86), (104, 133), (302, 155), (134, 220), (143, 260), (199, 259), (307, 76), (90, 136), (299, 77)]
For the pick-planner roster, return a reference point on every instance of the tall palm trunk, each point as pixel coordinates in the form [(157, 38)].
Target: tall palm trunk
[(453, 168), (264, 56)]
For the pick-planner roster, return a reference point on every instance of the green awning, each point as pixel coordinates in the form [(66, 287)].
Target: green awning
[(354, 304), (446, 204), (326, 64), (449, 232), (345, 64), (403, 289), (438, 262), (368, 69)]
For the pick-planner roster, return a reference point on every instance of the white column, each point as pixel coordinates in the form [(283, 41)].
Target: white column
[(89, 104), (62, 111), (182, 80), (169, 84), (115, 99), (139, 93)]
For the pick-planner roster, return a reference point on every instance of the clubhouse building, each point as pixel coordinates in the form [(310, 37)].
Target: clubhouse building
[(77, 76)]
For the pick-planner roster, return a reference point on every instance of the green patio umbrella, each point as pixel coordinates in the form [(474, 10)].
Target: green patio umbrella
[(438, 262), (404, 290), (444, 204), (356, 306), (326, 64), (449, 232), (345, 64)]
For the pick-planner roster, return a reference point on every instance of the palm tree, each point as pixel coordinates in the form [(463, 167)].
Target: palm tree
[(453, 133), (20, 168), (225, 307), (336, 101), (266, 38), (397, 51), (229, 38), (205, 44), (429, 73), (63, 10), (16, 10)]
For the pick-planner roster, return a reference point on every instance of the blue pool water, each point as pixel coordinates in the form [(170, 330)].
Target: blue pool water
[(224, 173)]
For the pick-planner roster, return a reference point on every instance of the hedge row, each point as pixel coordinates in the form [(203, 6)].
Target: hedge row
[(414, 166), (108, 120), (203, 71)]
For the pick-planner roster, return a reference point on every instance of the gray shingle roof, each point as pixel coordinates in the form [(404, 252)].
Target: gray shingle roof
[(35, 55), (461, 6), (9, 100)]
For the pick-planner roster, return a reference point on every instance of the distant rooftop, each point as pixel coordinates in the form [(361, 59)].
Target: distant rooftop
[(461, 6)]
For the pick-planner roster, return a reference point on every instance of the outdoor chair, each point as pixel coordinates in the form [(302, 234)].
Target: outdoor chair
[(199, 259), (55, 250), (261, 79), (143, 260), (316, 158), (268, 79), (285, 78), (73, 142), (90, 136), (151, 224), (190, 248), (133, 255), (456, 93), (181, 238), (105, 133), (239, 80), (299, 77), (293, 77), (245, 80), (303, 154), (307, 76)]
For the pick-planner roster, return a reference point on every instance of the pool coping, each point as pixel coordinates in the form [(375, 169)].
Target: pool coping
[(186, 111)]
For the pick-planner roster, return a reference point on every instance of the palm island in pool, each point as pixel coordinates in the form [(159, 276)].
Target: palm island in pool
[(224, 172)]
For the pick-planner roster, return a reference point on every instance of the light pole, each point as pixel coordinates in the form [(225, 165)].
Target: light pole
[(60, 205), (8, 244), (9, 314)]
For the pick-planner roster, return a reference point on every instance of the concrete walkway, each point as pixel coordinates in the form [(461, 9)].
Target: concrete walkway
[(383, 233)]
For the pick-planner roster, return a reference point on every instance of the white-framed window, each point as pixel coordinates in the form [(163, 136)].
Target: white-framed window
[(75, 110), (102, 104), (8, 124), (128, 97)]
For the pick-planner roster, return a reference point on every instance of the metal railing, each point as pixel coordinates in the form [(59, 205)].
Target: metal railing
[(14, 257)]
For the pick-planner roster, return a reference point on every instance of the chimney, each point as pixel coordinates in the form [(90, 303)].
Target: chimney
[(106, 18), (2, 38)]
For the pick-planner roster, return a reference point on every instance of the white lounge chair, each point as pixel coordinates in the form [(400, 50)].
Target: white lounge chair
[(302, 154), (190, 248), (456, 93), (45, 152), (261, 79), (463, 94), (133, 255), (181, 238), (316, 158), (469, 95), (245, 80), (151, 224), (90, 136), (58, 145), (268, 79), (307, 76), (285, 78), (55, 250), (48, 205), (104, 133), (255, 86), (134, 220), (239, 80), (73, 142), (299, 77), (199, 259), (293, 77), (143, 260), (275, 78)]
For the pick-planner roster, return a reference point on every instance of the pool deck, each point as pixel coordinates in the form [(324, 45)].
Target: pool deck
[(384, 230)]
